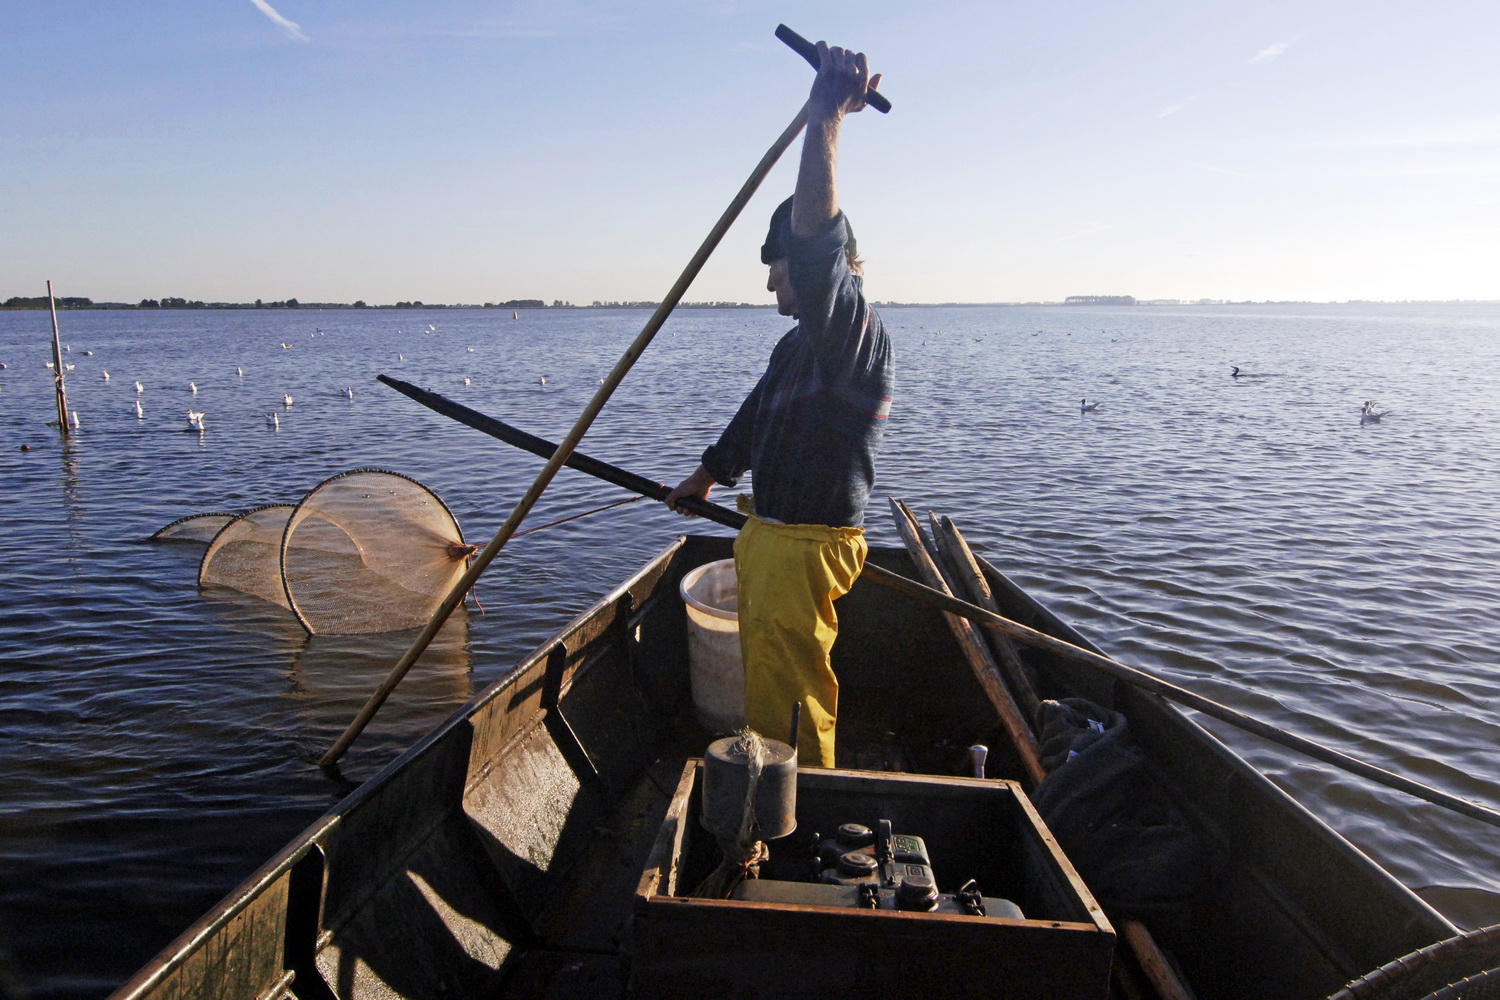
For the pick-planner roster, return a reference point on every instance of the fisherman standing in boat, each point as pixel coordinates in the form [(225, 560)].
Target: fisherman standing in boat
[(808, 431)]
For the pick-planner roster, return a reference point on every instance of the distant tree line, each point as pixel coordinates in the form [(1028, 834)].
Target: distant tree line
[(167, 302), (40, 302)]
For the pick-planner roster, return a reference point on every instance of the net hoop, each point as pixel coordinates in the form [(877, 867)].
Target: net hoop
[(414, 566), (260, 566), (169, 532)]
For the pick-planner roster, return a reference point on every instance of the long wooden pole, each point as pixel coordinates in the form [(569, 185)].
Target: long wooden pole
[(58, 371), (943, 602), (560, 456)]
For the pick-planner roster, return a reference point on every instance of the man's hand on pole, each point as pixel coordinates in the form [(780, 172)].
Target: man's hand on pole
[(696, 485), (842, 83)]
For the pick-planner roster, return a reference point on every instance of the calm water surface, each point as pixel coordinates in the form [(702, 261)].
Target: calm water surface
[(1246, 538)]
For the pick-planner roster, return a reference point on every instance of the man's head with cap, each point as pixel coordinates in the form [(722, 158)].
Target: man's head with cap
[(773, 254)]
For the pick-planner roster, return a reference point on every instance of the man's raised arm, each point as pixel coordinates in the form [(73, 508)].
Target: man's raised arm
[(838, 90)]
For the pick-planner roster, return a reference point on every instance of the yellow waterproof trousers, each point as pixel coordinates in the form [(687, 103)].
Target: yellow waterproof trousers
[(789, 576)]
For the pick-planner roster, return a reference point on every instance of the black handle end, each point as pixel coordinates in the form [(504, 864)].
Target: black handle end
[(807, 50)]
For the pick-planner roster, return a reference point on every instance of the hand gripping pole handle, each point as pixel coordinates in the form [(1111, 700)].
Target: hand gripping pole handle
[(807, 50)]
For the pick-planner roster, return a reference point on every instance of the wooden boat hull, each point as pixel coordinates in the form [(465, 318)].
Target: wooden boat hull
[(500, 855)]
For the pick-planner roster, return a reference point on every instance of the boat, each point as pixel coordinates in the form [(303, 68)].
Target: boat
[(530, 845)]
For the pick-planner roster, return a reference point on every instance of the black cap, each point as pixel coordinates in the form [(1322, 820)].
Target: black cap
[(780, 234)]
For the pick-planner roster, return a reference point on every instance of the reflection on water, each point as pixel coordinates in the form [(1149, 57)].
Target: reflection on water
[(1247, 538), (332, 676)]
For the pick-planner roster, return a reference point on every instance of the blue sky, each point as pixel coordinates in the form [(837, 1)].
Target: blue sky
[(472, 151)]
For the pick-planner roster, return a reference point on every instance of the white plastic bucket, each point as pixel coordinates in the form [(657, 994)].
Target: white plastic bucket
[(715, 671)]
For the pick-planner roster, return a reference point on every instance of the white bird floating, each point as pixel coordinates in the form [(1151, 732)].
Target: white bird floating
[(1370, 413), (106, 375), (469, 349), (285, 345), (349, 391), (88, 354), (1084, 406), (240, 372), (195, 419), (286, 400), (193, 386), (542, 380), (73, 419), (272, 420), (139, 413), (139, 388), (468, 380), (68, 366)]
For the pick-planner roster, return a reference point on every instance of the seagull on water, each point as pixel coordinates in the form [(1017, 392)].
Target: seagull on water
[(139, 413), (468, 380), (195, 419), (542, 380), (349, 391), (286, 400), (193, 386), (272, 420), (106, 375), (240, 372), (139, 388), (1084, 406), (73, 419), (1370, 413)]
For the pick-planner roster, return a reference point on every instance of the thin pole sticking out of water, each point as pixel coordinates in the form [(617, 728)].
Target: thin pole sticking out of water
[(58, 371)]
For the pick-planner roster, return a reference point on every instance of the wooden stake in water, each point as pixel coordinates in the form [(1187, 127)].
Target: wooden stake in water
[(569, 443), (58, 371)]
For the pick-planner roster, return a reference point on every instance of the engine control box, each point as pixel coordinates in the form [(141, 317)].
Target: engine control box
[(971, 898)]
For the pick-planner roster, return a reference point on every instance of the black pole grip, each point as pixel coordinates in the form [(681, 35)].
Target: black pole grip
[(807, 50)]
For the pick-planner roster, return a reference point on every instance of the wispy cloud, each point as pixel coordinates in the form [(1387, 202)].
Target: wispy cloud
[(291, 28), (1172, 109), (1223, 170), (1270, 52), (1093, 230)]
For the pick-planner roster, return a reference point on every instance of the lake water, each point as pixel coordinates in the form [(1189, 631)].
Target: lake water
[(1246, 538)]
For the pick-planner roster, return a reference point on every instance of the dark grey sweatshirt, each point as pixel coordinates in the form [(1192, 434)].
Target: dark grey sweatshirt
[(810, 428)]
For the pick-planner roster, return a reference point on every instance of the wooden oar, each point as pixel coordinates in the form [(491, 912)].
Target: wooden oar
[(544, 478), (943, 602)]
